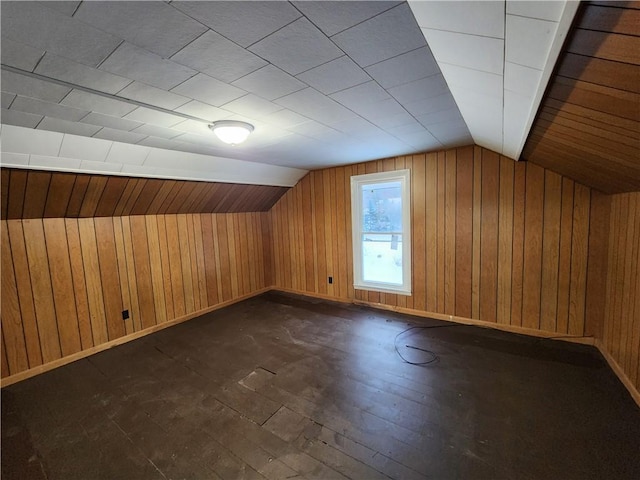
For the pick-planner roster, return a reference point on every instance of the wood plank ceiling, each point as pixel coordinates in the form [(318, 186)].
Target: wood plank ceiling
[(587, 126), (38, 194)]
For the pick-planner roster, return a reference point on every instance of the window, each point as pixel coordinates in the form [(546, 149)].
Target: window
[(380, 209)]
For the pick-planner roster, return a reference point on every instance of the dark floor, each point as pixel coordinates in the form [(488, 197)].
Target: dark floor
[(282, 387)]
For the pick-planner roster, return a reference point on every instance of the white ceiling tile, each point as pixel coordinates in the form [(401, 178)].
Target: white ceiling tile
[(548, 10), (241, 22), (432, 86), (284, 118), (474, 80), (516, 113), (471, 51), (521, 80), (202, 110), (208, 90), (7, 99), (335, 75), (19, 55), (529, 41), (31, 24), (140, 22), (32, 87), (485, 18), (334, 17), (153, 96), (83, 148), (391, 33), (65, 7), (56, 163), (97, 166), (11, 159), (297, 47), (218, 57), (393, 119), (27, 140), (65, 126), (67, 70), (106, 133), (440, 117), (269, 82), (157, 131), (161, 143), (193, 126), (97, 103), (431, 105), (365, 93), (252, 106), (38, 107), (199, 139), (138, 171), (127, 154), (20, 119), (138, 64), (404, 68), (110, 121), (146, 115)]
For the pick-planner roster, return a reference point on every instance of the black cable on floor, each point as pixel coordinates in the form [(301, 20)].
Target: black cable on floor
[(434, 357)]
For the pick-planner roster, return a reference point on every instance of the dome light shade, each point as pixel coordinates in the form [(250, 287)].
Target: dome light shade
[(231, 131)]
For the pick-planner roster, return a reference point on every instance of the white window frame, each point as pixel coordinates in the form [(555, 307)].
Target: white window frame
[(357, 182)]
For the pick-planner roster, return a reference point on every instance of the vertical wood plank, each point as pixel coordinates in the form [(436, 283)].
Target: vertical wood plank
[(42, 290), (185, 262), (532, 281), (175, 265), (519, 199), (157, 275), (490, 198), (59, 194), (320, 231), (477, 224), (134, 323), (62, 285), (505, 240), (550, 250), (193, 267), (166, 267), (123, 274), (564, 267), (234, 271), (464, 231), (79, 283), (17, 189), (441, 232), (37, 188), (97, 184), (25, 294), (450, 231), (210, 264), (11, 319), (224, 260), (143, 272), (579, 256)]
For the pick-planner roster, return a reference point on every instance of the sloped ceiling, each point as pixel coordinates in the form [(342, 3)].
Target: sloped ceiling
[(588, 125), (130, 87)]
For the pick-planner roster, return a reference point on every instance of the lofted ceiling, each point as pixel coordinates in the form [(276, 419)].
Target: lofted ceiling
[(324, 82)]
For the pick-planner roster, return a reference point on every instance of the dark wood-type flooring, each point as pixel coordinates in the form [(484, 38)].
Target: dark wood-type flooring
[(282, 387)]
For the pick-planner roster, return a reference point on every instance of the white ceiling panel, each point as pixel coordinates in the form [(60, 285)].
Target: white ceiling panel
[(48, 109), (396, 116), (284, 118), (193, 126), (74, 146), (471, 51), (548, 10), (208, 90), (431, 105), (97, 103), (404, 68), (55, 163), (156, 131), (387, 35), (365, 93), (439, 117), (100, 167), (297, 47), (20, 119), (202, 110), (32, 87), (18, 159), (29, 141), (485, 18), (19, 55), (213, 54), (161, 119), (140, 22), (153, 96), (34, 25), (333, 16), (241, 22), (106, 133), (7, 99), (335, 75), (516, 113), (520, 79), (474, 80), (269, 82), (65, 126), (139, 64), (61, 68), (110, 121), (253, 106), (432, 86), (67, 8), (529, 41)]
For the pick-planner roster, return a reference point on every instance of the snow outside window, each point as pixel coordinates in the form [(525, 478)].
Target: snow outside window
[(380, 209)]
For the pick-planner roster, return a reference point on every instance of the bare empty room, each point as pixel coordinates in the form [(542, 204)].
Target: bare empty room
[(320, 239)]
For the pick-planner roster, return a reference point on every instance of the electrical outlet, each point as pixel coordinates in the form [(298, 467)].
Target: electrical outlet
[(125, 314), (330, 280)]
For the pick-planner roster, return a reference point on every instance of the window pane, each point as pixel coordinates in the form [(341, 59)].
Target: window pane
[(382, 207), (382, 258)]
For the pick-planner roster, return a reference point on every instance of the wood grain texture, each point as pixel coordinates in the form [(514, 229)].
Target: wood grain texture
[(621, 329), (73, 277), (492, 222), (38, 194), (588, 126)]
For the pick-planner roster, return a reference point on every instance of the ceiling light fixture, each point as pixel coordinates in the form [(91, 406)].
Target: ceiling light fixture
[(231, 131)]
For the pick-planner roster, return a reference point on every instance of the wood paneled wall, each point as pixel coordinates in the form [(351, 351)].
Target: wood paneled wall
[(621, 336), (38, 194), (493, 240), (66, 281)]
